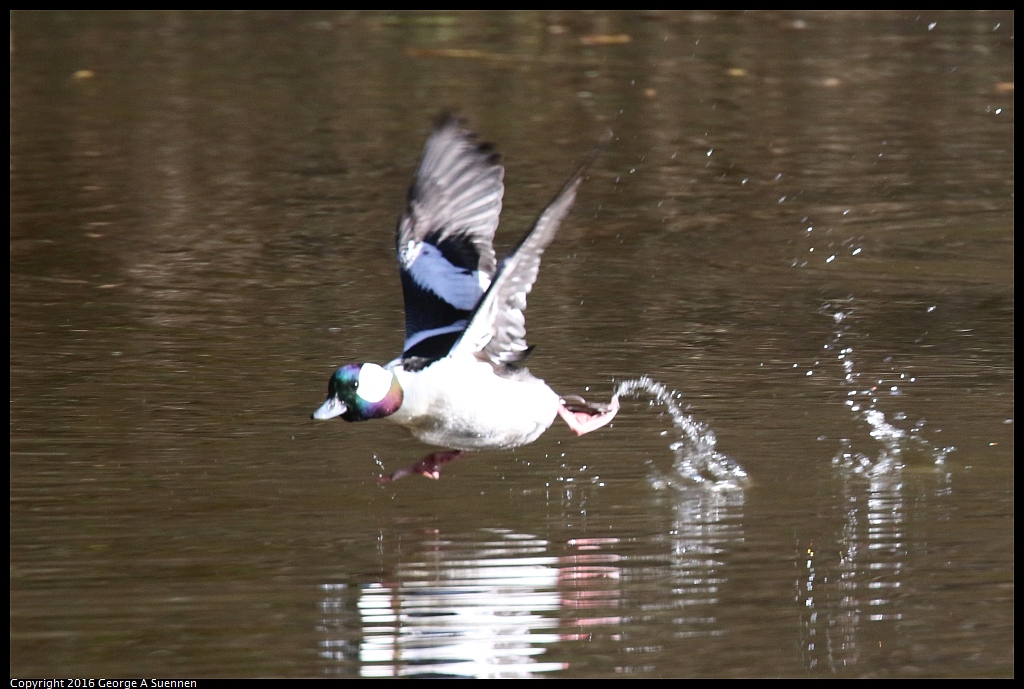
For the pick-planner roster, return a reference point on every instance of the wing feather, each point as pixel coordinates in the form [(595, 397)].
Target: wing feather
[(444, 238), (497, 330)]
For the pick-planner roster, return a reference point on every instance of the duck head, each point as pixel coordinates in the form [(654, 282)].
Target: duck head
[(358, 392)]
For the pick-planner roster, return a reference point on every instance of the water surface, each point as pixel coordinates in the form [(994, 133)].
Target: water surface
[(803, 227)]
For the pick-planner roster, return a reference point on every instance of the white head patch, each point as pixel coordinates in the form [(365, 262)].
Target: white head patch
[(374, 383)]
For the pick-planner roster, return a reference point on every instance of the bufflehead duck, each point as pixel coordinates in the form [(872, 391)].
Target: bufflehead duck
[(460, 383)]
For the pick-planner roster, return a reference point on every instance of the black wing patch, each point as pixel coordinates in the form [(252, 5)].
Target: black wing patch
[(444, 239)]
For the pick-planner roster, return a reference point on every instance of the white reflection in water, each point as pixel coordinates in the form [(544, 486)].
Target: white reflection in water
[(487, 613), (487, 621), (497, 608), (843, 601), (705, 524)]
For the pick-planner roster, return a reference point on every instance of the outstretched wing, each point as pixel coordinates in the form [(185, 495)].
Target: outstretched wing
[(444, 239), (497, 331)]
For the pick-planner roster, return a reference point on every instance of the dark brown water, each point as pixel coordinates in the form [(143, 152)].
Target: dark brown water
[(804, 226)]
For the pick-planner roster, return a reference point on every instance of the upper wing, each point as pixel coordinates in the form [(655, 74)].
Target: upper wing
[(498, 328), (444, 238)]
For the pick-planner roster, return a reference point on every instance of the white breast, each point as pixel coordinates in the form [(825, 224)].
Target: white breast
[(461, 404)]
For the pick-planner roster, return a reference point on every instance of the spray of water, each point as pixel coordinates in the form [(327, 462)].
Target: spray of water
[(862, 400), (696, 459)]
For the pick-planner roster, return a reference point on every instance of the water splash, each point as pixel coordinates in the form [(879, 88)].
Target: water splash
[(696, 459), (862, 400)]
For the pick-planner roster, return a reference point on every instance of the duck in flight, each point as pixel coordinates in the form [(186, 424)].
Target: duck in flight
[(460, 382)]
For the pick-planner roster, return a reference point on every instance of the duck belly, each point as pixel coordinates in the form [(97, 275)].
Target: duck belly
[(465, 406)]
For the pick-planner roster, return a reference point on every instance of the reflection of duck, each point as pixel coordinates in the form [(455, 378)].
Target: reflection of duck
[(459, 382)]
